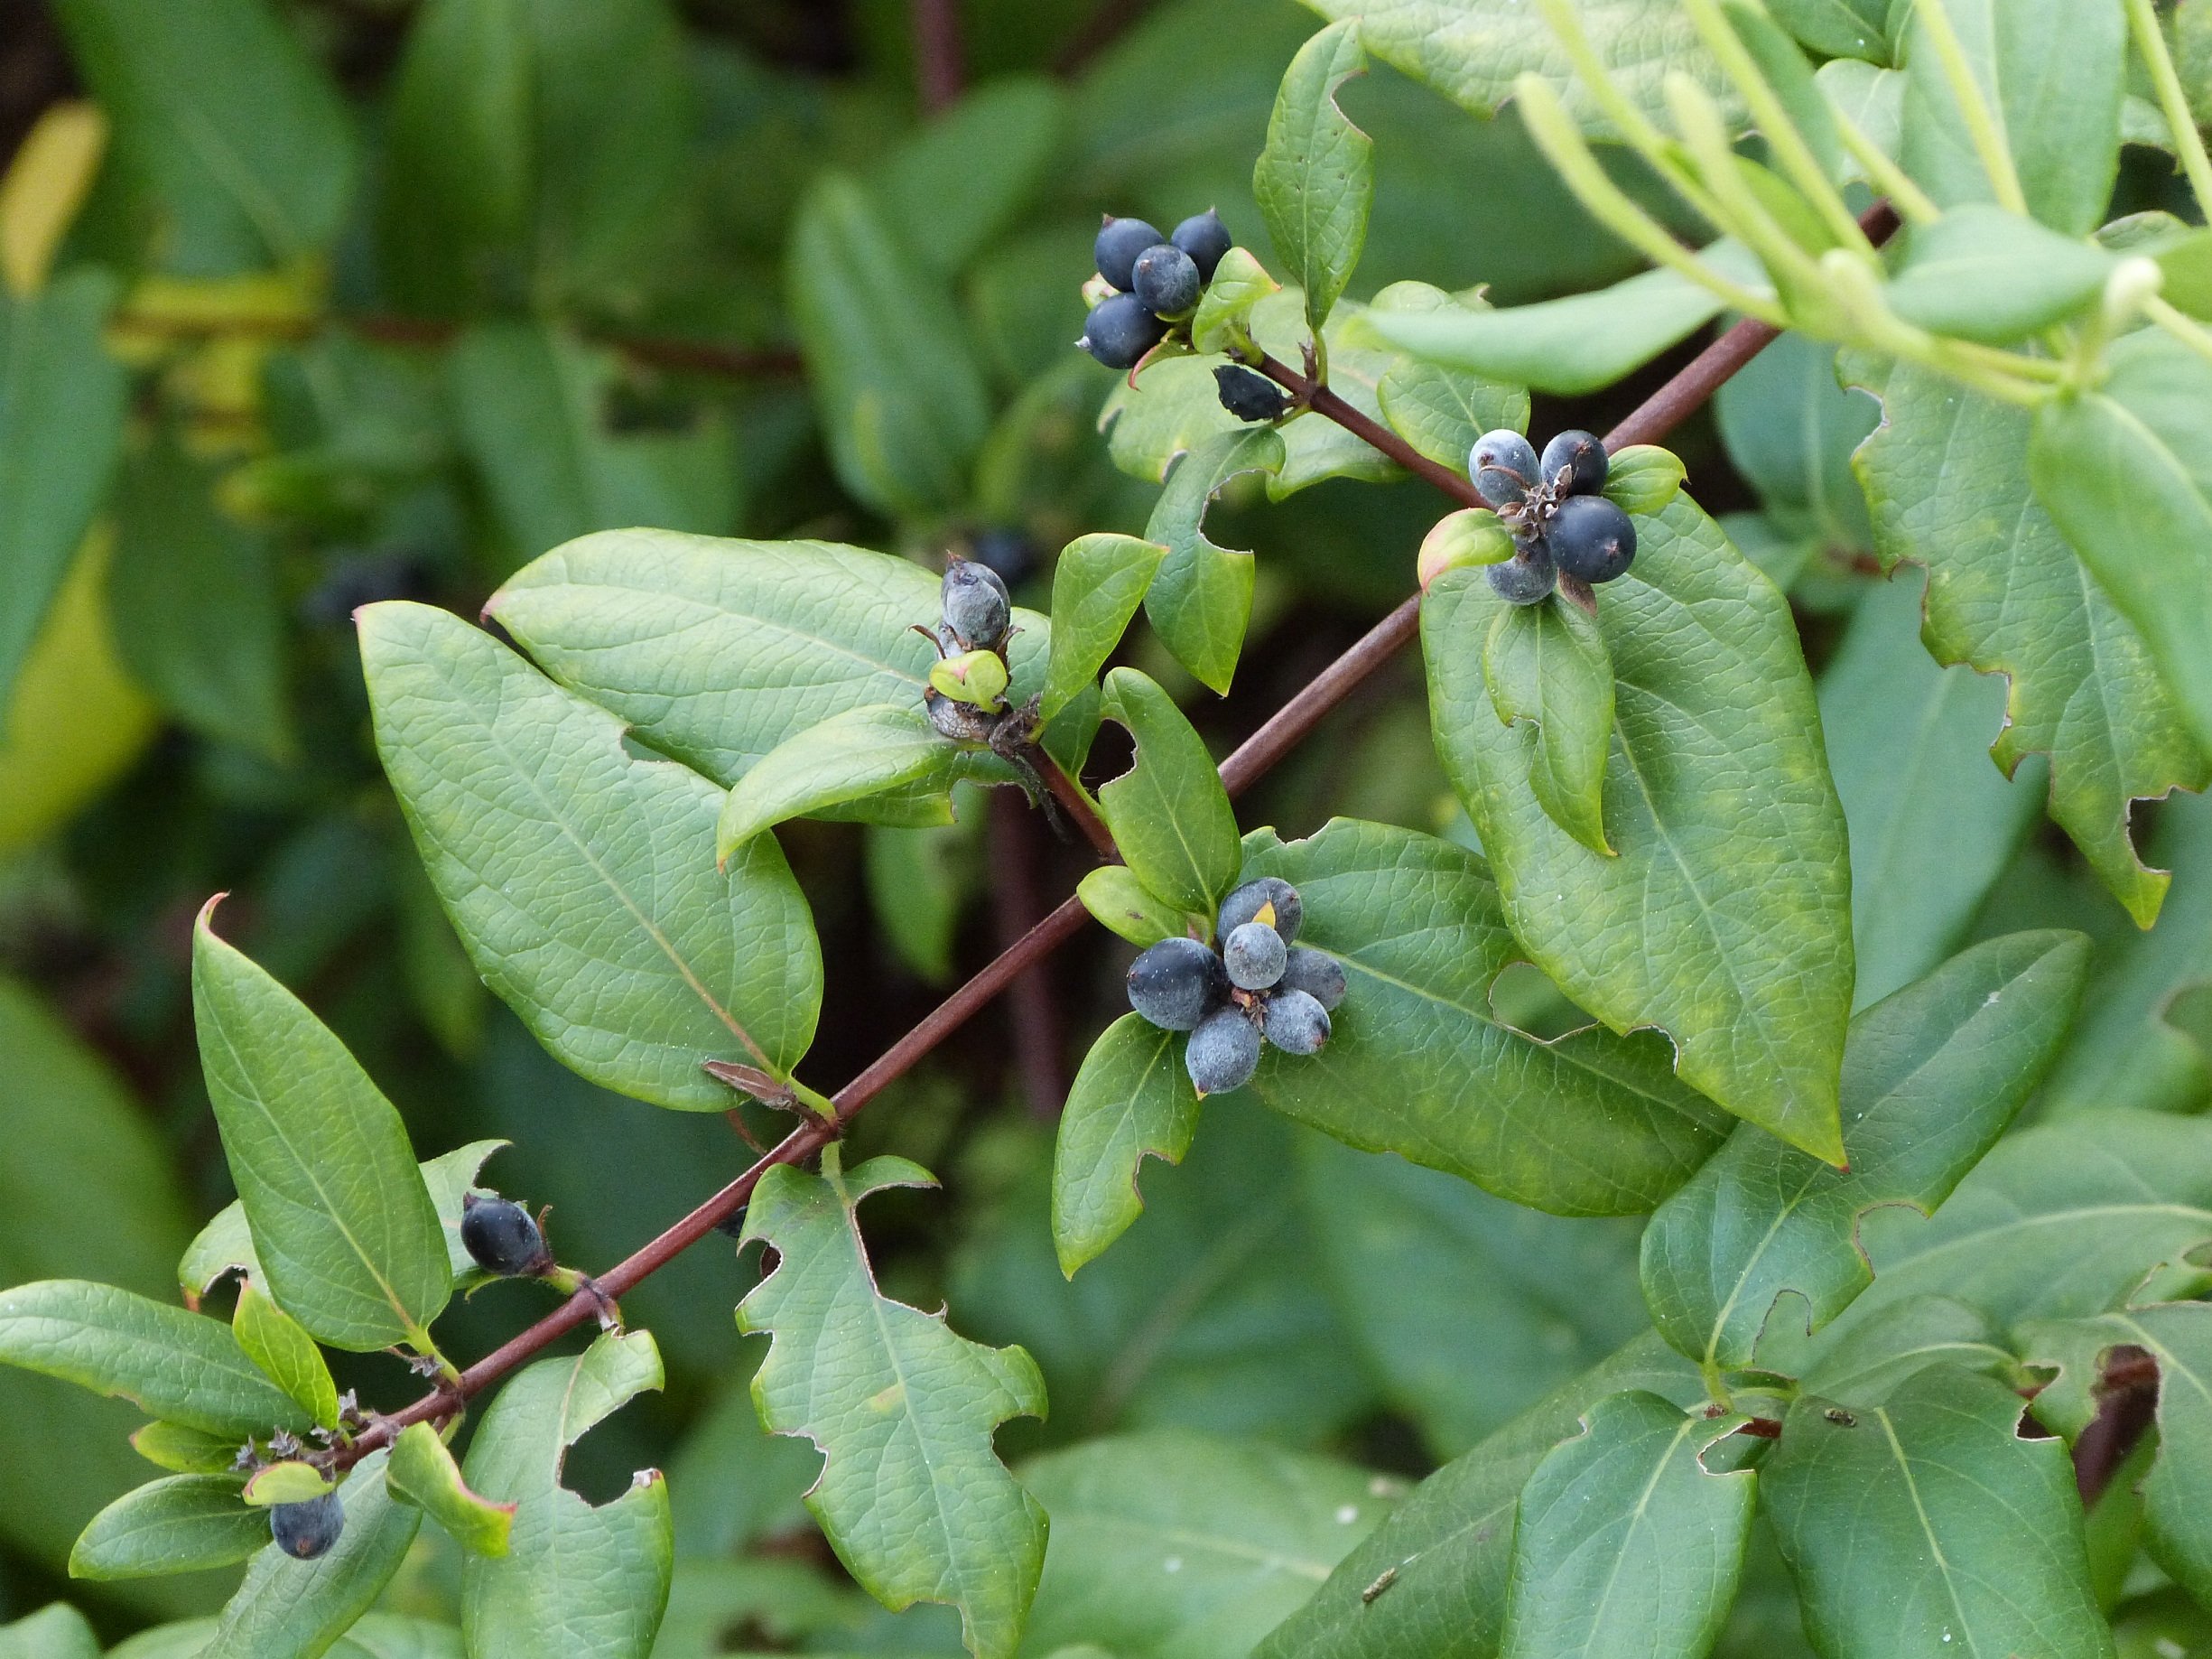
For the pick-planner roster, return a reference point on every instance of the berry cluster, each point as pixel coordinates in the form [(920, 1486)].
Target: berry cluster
[(1156, 281), (1257, 985), (1559, 521)]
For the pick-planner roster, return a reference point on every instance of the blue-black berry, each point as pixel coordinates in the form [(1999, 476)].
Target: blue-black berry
[(1503, 466), (1176, 983), (305, 1531), (1245, 904), (1254, 955), (975, 605), (1165, 282), (1592, 538), (1223, 1052), (502, 1236), (1120, 330), (1296, 1023), (1120, 241), (1250, 395), (1581, 457), (1526, 577), (1205, 239), (1314, 971)]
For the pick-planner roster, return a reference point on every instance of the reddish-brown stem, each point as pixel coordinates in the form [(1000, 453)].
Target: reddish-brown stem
[(1659, 416), (1327, 403), (1077, 805), (1013, 831), (937, 65)]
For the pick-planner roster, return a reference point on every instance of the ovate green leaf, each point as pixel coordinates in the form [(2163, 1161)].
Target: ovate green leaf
[(1981, 274), (580, 877), (185, 1523), (1316, 179), (287, 1356), (1131, 1100), (889, 750), (56, 1631), (1202, 598), (1439, 410), (422, 1472), (911, 1495), (348, 1240), (1169, 814), (1723, 918), (1096, 587), (1122, 904), (1547, 667)]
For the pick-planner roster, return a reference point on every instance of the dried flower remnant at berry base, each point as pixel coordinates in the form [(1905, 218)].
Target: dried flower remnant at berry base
[(1560, 523)]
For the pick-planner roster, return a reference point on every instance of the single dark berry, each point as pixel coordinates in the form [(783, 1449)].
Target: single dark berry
[(1120, 330), (1250, 395), (305, 1531), (1592, 538), (1526, 577), (1503, 466), (1223, 1052), (1165, 282), (1581, 457), (1248, 901), (975, 603), (1254, 955), (1012, 553), (1205, 239), (502, 1236), (1296, 1023), (1176, 983), (1120, 241), (1314, 971)]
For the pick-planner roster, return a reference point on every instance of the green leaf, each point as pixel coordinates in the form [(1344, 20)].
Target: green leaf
[(1789, 76), (56, 1631), (1169, 814), (1946, 477), (223, 119), (1904, 1339), (1223, 316), (1926, 1525), (961, 183), (918, 880), (61, 407), (2058, 1221), (287, 1356), (911, 1495), (1096, 587), (531, 403), (577, 1581), (1933, 824), (1466, 1308), (554, 848), (423, 1473), (1418, 1062), (715, 652), (903, 405), (2178, 1492), (1931, 1077), (1624, 1542), (288, 1482), (1219, 1540), (1873, 99), (1571, 346), (376, 1636), (1119, 902), (1131, 1100), (1723, 920), (342, 1224), (887, 751), (1438, 1567), (1471, 50), (1791, 429), (1981, 274), (1441, 411), (2126, 472), (1840, 28), (171, 1364), (185, 1451), (185, 1523), (1315, 178), (2065, 150), (1643, 477), (1546, 665), (198, 616), (289, 1609), (1201, 600)]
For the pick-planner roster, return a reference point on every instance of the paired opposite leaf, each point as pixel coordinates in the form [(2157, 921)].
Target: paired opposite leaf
[(888, 752), (56, 1631), (1928, 1525), (1169, 814), (1132, 1099), (1122, 904), (1625, 1544), (185, 1523), (423, 1473), (1945, 478), (1724, 919), (1931, 1076), (575, 1581), (344, 1229), (1981, 274), (274, 1341), (1546, 665), (1419, 1063), (1316, 179), (1200, 602), (911, 1495), (1096, 587), (581, 878)]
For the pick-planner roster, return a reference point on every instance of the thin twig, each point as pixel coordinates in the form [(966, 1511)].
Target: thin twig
[(937, 58), (1673, 403), (1077, 805), (1015, 908)]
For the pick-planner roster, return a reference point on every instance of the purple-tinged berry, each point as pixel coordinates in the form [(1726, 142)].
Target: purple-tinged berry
[(1223, 1052), (1526, 577), (1296, 1023), (1205, 239), (1120, 330), (1592, 538), (1166, 283), (1581, 457), (305, 1530), (1314, 971), (502, 1236), (1251, 902), (1120, 241), (1176, 983), (1503, 466), (1254, 955)]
